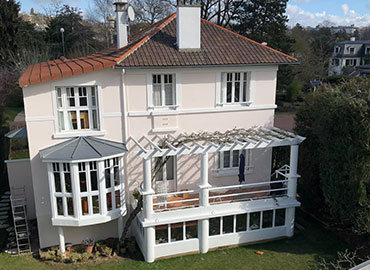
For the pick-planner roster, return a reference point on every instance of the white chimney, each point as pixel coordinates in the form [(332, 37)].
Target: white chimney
[(121, 23), (188, 25), (353, 38)]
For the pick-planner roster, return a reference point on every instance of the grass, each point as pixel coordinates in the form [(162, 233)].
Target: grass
[(301, 252), (20, 154)]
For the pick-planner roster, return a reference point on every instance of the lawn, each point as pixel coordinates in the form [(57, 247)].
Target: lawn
[(11, 112), (301, 252)]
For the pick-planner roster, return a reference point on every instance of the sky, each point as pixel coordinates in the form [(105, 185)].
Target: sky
[(304, 12)]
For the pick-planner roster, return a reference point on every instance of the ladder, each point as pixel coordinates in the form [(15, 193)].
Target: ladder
[(22, 236)]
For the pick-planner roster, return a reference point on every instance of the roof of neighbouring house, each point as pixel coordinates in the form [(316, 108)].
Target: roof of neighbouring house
[(156, 47), (18, 133), (82, 148)]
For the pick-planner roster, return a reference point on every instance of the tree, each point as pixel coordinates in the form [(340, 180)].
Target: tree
[(99, 14), (336, 155), (221, 12), (9, 23), (78, 36), (294, 90), (150, 11)]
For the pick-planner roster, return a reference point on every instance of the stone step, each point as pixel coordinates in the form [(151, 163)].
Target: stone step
[(5, 208), (5, 200), (4, 217), (10, 229), (4, 204), (4, 226), (3, 213), (7, 193)]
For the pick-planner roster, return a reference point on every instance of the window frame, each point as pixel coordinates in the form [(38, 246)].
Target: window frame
[(232, 170), (61, 133), (175, 91), (242, 82)]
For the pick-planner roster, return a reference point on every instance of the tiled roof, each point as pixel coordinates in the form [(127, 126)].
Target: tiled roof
[(156, 46)]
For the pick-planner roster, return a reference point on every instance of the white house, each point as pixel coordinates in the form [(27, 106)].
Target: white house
[(185, 92)]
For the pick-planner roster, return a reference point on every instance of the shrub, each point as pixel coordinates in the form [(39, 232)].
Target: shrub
[(85, 257), (294, 90), (106, 251), (335, 158), (74, 257)]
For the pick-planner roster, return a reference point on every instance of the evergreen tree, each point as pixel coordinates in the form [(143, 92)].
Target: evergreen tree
[(9, 23)]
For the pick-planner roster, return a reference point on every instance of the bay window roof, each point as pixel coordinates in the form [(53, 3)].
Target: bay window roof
[(82, 148)]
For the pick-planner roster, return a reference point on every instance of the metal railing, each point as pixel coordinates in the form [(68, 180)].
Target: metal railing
[(168, 201)]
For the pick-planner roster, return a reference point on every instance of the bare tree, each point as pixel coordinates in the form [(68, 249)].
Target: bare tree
[(221, 12), (99, 12), (150, 11)]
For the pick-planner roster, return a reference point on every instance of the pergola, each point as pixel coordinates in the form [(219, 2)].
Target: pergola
[(204, 143)]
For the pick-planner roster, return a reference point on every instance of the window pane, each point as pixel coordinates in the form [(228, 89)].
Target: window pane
[(161, 234), (83, 186), (118, 198), (109, 201), (228, 224), (60, 206), (94, 180), (228, 91), (84, 119), (280, 217), (95, 202), (61, 121), (191, 229), (227, 159), (93, 96), (241, 223), (72, 120), (245, 86), (267, 219), (254, 221), (108, 183), (214, 226), (59, 98), (67, 181), (95, 119), (71, 97), (116, 175), (157, 95), (84, 206), (236, 158), (169, 94), (177, 232), (70, 207), (170, 168), (83, 96), (58, 185)]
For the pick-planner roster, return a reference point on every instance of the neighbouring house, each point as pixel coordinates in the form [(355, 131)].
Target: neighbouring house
[(179, 112), (350, 30), (347, 56)]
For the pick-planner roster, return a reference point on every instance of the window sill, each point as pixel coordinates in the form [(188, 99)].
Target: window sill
[(78, 133), (231, 172), (237, 104)]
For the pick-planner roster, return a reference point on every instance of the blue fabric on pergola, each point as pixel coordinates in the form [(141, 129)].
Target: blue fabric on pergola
[(82, 148)]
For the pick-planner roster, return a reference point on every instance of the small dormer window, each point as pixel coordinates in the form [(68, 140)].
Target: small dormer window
[(351, 50), (367, 50), (77, 108), (337, 49)]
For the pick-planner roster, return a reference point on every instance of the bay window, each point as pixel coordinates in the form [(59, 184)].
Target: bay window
[(77, 108), (235, 87), (163, 90)]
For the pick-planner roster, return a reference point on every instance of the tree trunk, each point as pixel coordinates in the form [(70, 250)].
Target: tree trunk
[(131, 218)]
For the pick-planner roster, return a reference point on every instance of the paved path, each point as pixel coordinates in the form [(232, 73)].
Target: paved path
[(20, 117), (284, 121)]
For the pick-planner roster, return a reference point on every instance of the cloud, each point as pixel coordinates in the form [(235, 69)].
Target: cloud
[(306, 18), (368, 5)]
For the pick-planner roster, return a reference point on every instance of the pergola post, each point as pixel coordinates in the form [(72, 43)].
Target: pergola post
[(147, 192), (149, 241), (204, 201), (292, 189), (62, 244)]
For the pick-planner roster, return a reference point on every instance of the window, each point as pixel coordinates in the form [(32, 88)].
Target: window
[(77, 108), (335, 62), (164, 90), (235, 87), (175, 232), (229, 160), (337, 49), (367, 50), (167, 172), (351, 50), (87, 185), (63, 189), (351, 62)]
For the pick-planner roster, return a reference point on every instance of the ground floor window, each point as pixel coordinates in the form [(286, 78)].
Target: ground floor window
[(175, 232)]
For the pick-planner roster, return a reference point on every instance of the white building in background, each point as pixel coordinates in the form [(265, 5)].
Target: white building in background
[(348, 55), (98, 126)]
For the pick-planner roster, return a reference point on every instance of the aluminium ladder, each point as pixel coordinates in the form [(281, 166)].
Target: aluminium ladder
[(22, 236)]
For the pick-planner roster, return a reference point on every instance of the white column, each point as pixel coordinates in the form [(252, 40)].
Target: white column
[(147, 192), (76, 190), (149, 242), (204, 185), (62, 244), (292, 184), (120, 226), (203, 232), (292, 189)]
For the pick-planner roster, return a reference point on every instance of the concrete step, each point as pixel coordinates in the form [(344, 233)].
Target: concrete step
[(5, 208), (10, 229), (4, 217), (5, 200), (4, 226), (4, 204), (4, 213)]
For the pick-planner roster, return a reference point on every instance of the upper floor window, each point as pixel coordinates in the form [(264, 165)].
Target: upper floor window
[(367, 50), (164, 90), (351, 50), (337, 49), (235, 87), (229, 160), (77, 108)]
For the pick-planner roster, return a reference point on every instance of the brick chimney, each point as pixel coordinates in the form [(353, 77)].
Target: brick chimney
[(188, 25), (121, 23)]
